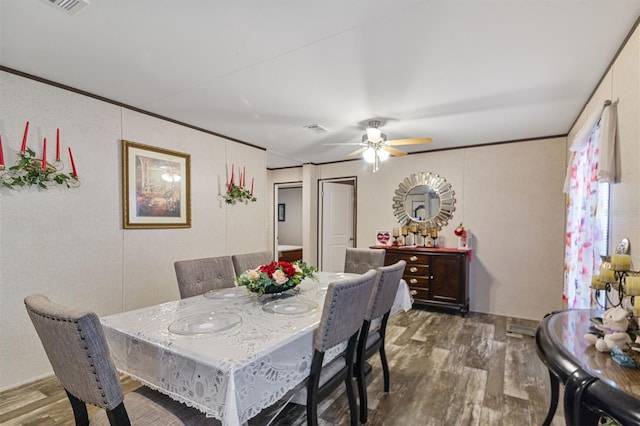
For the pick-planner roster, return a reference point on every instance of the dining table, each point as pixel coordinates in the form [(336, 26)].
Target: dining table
[(229, 353)]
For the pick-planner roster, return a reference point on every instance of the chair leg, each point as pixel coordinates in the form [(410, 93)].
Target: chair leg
[(79, 408), (360, 364), (385, 367), (383, 355), (118, 416), (348, 381), (312, 389)]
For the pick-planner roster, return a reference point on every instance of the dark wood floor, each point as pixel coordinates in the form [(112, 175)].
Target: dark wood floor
[(445, 370)]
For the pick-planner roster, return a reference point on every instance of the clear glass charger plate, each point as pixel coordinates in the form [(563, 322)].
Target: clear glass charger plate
[(291, 307), (204, 324), (228, 293)]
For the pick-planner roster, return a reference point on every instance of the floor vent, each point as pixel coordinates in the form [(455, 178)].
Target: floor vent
[(518, 329), (71, 7)]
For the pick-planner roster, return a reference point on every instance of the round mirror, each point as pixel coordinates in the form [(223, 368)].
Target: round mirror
[(425, 198)]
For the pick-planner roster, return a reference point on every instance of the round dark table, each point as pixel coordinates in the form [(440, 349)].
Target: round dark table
[(593, 383)]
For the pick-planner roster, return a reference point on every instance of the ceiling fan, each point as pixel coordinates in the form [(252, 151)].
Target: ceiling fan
[(375, 147)]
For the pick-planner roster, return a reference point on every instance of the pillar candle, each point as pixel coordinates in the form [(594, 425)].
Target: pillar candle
[(424, 232), (621, 262), (24, 138), (396, 232), (413, 227), (632, 285), (57, 144), (1, 153), (596, 284), (405, 230), (73, 164), (44, 154), (606, 275)]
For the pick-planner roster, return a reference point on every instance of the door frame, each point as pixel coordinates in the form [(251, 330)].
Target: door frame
[(276, 187), (353, 180)]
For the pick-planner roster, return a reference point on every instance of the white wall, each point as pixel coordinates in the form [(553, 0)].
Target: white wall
[(509, 196), (70, 244), (290, 230)]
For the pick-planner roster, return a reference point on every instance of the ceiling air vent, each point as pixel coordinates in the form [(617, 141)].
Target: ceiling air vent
[(69, 6), (317, 128)]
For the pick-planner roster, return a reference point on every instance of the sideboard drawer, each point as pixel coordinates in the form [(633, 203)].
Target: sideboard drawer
[(414, 258), (419, 293), (414, 281), (420, 270)]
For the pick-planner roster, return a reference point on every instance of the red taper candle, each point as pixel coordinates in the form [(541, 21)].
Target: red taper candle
[(73, 164), (57, 144), (1, 154), (44, 154), (24, 138)]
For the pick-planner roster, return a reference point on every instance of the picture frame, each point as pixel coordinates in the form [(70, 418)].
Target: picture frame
[(281, 212), (156, 185), (383, 238)]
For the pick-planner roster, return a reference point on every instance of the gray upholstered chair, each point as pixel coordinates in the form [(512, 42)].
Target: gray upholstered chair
[(342, 316), (78, 352), (244, 262), (372, 341), (198, 276), (359, 261)]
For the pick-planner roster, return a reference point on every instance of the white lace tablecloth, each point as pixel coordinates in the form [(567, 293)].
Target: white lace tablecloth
[(231, 375)]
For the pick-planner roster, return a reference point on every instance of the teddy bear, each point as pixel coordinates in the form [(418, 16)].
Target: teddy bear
[(614, 327)]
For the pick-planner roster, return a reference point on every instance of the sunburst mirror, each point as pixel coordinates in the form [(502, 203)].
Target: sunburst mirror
[(425, 198)]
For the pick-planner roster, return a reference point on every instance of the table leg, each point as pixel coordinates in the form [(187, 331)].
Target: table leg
[(553, 404), (575, 412)]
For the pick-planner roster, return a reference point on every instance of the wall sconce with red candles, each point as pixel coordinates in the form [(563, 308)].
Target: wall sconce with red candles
[(30, 170), (239, 193)]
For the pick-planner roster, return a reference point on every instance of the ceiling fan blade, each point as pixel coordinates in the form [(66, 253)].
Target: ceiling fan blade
[(393, 151), (357, 151), (343, 143), (414, 141)]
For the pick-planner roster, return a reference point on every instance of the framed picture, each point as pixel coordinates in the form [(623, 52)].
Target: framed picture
[(280, 212), (383, 238), (155, 187)]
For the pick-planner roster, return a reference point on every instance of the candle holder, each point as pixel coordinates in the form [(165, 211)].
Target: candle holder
[(405, 232), (29, 171), (612, 280), (396, 234), (414, 231)]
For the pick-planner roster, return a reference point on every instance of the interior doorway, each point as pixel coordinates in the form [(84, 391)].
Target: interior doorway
[(287, 221), (337, 221)]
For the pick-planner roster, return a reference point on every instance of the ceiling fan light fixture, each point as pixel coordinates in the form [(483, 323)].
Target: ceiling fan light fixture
[(383, 155), (374, 134), (369, 155)]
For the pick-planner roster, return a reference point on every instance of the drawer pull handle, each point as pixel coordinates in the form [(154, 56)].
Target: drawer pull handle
[(413, 292), (413, 258), (413, 269), (413, 281), (431, 277)]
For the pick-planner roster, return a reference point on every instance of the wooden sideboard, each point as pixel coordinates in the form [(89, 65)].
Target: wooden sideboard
[(436, 277)]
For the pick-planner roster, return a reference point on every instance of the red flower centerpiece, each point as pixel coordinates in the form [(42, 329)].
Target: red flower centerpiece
[(276, 277)]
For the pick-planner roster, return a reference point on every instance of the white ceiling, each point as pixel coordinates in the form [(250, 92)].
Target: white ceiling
[(461, 72)]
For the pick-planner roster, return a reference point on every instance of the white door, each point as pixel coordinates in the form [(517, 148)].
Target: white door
[(337, 224)]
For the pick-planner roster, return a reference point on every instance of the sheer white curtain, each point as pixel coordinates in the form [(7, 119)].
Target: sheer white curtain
[(592, 161)]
